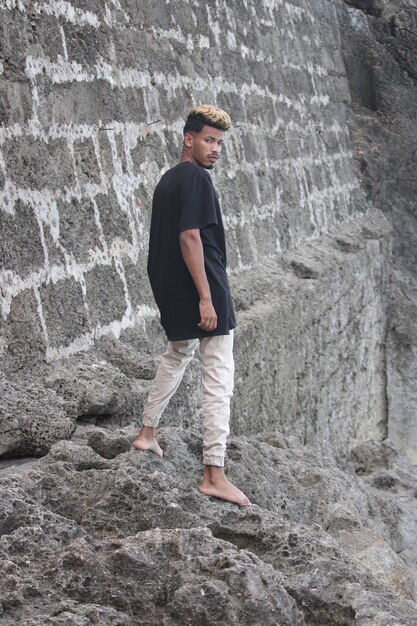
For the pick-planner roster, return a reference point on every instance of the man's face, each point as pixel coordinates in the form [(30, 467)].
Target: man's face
[(204, 147)]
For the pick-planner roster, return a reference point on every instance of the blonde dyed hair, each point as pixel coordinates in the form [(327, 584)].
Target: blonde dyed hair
[(207, 114)]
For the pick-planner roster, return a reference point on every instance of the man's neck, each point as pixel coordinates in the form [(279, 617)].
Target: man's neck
[(185, 156)]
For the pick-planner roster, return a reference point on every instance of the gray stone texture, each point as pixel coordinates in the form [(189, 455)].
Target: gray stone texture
[(23, 339), (88, 102), (90, 388), (32, 418), (15, 102), (314, 301), (106, 157), (137, 280), (64, 311), (128, 539), (87, 45), (21, 245), (317, 184), (25, 33), (105, 295), (126, 358), (87, 166), (379, 46), (114, 221), (37, 164), (78, 232)]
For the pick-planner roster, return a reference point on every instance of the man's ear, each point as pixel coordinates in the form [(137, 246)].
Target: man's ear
[(188, 140)]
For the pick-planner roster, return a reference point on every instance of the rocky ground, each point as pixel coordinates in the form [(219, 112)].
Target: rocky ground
[(97, 533)]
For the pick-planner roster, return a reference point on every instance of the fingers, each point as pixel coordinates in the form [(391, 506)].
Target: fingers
[(208, 316), (209, 324)]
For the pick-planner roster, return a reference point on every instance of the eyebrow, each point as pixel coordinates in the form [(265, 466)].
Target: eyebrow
[(212, 137)]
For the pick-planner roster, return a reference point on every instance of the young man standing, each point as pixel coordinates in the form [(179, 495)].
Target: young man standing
[(187, 272)]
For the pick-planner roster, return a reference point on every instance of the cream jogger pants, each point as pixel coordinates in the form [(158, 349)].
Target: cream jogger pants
[(217, 375)]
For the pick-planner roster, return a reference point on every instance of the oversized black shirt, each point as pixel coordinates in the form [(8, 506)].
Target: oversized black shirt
[(185, 199)]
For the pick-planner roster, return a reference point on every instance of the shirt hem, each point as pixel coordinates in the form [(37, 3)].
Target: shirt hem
[(198, 334)]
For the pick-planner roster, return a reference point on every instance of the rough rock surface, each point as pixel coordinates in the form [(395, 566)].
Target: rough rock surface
[(32, 418), (127, 539), (379, 45)]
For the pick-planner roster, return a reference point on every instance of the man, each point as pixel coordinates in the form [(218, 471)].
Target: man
[(187, 272)]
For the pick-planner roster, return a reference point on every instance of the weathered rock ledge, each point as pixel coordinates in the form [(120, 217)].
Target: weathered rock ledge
[(310, 355), (97, 533)]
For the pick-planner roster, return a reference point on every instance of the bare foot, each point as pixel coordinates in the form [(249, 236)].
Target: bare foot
[(146, 441), (216, 484)]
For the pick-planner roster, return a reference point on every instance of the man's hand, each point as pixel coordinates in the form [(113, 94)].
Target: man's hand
[(208, 315), (192, 253)]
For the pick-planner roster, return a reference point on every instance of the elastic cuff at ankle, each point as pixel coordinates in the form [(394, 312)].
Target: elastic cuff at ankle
[(218, 461), (146, 421)]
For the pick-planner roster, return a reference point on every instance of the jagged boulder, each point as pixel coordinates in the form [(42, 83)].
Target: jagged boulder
[(127, 538), (91, 388), (32, 418)]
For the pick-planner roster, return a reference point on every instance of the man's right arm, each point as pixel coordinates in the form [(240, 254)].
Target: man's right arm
[(193, 255)]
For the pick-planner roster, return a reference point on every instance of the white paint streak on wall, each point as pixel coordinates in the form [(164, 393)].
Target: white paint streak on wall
[(66, 10), (86, 341)]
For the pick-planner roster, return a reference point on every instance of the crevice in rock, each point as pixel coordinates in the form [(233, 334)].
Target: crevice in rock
[(242, 541), (398, 40), (346, 246), (320, 613), (369, 7), (301, 270)]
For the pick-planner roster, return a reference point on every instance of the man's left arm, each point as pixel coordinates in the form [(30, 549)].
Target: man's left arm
[(193, 255)]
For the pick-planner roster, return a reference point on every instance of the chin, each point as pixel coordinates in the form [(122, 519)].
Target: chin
[(209, 166)]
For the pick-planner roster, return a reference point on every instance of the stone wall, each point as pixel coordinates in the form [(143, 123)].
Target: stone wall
[(379, 44), (92, 102), (311, 355)]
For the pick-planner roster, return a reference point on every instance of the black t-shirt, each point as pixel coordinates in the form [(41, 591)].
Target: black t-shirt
[(185, 199)]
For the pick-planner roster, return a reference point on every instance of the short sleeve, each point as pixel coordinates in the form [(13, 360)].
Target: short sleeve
[(197, 206)]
